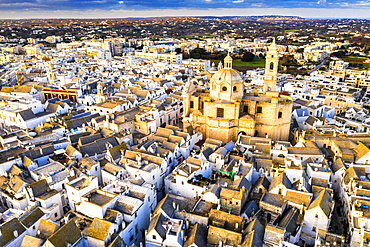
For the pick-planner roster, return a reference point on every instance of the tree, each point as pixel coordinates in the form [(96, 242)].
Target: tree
[(339, 54), (248, 57), (198, 53)]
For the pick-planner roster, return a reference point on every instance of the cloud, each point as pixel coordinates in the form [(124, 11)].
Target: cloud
[(143, 5), (362, 3), (259, 5)]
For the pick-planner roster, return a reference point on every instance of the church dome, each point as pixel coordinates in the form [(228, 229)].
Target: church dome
[(227, 75)]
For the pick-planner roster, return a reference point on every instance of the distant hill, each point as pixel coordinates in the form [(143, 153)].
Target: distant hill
[(254, 18)]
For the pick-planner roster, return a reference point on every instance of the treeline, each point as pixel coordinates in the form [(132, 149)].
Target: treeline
[(200, 53)]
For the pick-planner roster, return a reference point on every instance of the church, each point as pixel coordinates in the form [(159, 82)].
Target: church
[(225, 110)]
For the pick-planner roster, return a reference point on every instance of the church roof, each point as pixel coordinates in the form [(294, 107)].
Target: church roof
[(228, 75)]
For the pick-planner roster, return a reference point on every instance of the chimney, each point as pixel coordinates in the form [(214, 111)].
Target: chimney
[(138, 159), (174, 204)]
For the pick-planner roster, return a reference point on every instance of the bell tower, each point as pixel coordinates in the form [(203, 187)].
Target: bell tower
[(99, 98), (271, 69), (51, 74)]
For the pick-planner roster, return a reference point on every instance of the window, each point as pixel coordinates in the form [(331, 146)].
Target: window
[(259, 109), (191, 104), (314, 229), (56, 215), (235, 89), (245, 109), (224, 89), (220, 112), (316, 216), (271, 66), (280, 115)]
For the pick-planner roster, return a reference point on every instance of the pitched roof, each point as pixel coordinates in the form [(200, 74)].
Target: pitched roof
[(117, 242), (324, 200), (7, 231), (280, 179), (263, 181), (156, 223), (197, 236), (361, 150), (23, 89), (39, 187), (226, 221), (31, 216), (27, 114), (273, 199), (337, 165), (99, 229), (67, 235), (46, 229), (112, 168), (311, 120), (298, 197), (255, 234), (30, 241), (164, 132)]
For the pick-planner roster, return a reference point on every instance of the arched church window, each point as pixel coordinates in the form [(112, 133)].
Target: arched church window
[(271, 66), (224, 89), (235, 88)]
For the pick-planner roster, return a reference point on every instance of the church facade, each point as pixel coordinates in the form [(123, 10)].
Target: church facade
[(225, 110)]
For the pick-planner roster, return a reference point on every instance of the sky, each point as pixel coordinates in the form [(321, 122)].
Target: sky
[(19, 9)]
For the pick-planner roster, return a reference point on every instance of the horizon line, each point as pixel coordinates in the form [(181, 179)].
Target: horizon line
[(304, 13)]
